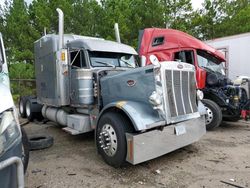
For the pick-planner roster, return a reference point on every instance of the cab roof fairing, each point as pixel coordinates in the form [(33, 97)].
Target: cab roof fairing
[(102, 46), (173, 39), (92, 43)]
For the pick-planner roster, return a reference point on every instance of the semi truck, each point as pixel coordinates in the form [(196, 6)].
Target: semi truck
[(14, 146), (91, 84), (223, 99)]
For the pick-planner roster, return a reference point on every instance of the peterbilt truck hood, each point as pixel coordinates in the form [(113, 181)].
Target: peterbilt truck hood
[(6, 100)]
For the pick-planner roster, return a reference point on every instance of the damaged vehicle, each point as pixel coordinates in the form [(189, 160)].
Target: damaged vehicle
[(223, 99)]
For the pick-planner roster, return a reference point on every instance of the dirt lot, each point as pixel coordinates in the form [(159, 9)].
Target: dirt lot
[(221, 155)]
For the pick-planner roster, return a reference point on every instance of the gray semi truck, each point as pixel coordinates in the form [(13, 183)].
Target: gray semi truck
[(138, 113)]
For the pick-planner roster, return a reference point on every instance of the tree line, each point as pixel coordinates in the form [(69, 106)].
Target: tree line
[(21, 24)]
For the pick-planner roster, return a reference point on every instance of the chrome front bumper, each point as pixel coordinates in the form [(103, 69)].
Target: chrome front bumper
[(19, 166), (149, 145)]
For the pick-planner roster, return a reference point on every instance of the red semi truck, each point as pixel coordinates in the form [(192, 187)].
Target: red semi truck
[(221, 98)]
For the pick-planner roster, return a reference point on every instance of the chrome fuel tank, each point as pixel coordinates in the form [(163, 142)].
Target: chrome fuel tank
[(81, 90)]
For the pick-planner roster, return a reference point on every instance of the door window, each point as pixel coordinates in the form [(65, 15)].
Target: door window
[(77, 59), (186, 56)]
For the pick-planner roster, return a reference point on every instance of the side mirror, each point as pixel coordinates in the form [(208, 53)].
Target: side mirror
[(154, 60)]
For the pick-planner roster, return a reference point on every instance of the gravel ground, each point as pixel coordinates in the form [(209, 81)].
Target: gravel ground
[(221, 155)]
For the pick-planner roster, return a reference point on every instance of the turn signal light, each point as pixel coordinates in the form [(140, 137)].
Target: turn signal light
[(63, 56)]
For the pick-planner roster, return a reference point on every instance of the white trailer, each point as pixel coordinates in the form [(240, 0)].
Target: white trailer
[(235, 49)]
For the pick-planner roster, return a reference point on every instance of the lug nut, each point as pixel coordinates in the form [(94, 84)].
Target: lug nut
[(107, 139)]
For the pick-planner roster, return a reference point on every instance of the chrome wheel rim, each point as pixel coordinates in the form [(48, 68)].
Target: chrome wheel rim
[(209, 116), (108, 140)]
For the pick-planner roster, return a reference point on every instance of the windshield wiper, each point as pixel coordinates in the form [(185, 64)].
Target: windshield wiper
[(107, 64), (129, 65)]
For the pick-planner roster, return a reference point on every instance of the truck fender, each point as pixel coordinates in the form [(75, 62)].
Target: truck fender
[(142, 115), (201, 108)]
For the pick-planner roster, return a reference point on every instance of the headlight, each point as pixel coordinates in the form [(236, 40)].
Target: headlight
[(9, 131), (155, 99), (200, 94)]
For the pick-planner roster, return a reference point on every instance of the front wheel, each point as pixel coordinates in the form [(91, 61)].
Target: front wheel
[(111, 139), (214, 115)]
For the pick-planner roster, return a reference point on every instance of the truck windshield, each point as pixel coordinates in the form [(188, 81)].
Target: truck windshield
[(209, 62), (107, 59)]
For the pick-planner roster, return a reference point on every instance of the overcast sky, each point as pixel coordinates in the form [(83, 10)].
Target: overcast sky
[(196, 3)]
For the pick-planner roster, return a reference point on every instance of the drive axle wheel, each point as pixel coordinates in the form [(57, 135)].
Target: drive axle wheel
[(111, 139), (22, 106), (29, 110), (213, 117)]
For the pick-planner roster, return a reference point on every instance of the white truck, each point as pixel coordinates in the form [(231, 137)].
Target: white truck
[(14, 146)]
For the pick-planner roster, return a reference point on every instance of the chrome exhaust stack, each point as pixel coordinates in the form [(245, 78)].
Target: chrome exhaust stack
[(60, 28), (117, 33)]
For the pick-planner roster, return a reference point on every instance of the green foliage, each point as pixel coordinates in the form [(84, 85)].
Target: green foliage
[(17, 31), (22, 24), (18, 72), (21, 71), (221, 18)]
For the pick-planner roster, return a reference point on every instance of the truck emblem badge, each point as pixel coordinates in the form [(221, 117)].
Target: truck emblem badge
[(131, 83), (180, 66)]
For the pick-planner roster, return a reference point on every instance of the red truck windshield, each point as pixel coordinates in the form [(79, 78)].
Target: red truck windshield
[(209, 62)]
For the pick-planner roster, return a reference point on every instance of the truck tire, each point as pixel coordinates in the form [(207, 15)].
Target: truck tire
[(38, 142), (25, 149), (29, 110), (111, 139), (22, 106), (33, 109), (213, 117)]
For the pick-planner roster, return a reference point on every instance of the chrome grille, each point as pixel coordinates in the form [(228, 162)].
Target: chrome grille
[(181, 92)]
